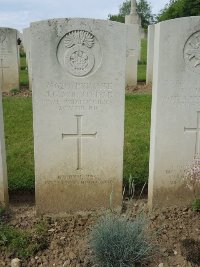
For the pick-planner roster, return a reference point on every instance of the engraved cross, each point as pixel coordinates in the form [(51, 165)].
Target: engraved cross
[(2, 73), (79, 136), (197, 131)]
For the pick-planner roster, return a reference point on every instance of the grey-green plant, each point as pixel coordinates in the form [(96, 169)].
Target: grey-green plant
[(118, 242)]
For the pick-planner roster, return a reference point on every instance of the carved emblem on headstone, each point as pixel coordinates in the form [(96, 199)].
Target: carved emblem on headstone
[(79, 52), (2, 36), (192, 52), (79, 58)]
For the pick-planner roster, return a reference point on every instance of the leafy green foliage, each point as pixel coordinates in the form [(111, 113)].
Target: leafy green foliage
[(143, 8), (196, 205), (118, 242), (179, 8), (118, 18)]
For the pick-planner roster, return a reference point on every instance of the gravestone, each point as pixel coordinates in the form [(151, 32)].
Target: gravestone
[(9, 59), (78, 67), (3, 166), (27, 47), (132, 55), (133, 45), (175, 110), (150, 54)]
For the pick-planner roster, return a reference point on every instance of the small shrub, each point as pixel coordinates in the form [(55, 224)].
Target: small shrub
[(15, 91), (196, 205), (117, 242)]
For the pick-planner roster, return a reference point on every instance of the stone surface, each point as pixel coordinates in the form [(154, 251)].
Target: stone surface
[(150, 54), (16, 263), (134, 19), (27, 48), (175, 110), (9, 59), (132, 54), (78, 108), (3, 166)]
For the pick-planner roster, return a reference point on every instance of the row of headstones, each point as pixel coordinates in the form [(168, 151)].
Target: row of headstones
[(9, 59), (78, 80)]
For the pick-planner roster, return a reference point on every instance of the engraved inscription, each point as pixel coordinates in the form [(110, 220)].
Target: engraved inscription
[(77, 96), (197, 131), (79, 53), (192, 52), (79, 136)]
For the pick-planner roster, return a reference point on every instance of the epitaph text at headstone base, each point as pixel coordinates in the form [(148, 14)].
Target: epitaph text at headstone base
[(9, 60), (78, 107), (175, 110)]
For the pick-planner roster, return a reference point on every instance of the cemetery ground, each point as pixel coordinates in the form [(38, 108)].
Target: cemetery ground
[(60, 242)]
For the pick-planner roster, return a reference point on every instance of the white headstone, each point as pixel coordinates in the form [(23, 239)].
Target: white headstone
[(3, 166), (175, 128), (9, 59), (27, 47), (132, 55), (150, 54), (78, 105)]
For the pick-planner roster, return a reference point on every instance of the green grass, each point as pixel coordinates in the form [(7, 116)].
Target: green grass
[(142, 62), (143, 59), (23, 62), (137, 137), (19, 142), (24, 78)]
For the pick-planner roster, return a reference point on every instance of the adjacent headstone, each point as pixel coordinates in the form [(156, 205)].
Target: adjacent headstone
[(150, 54), (9, 59), (78, 106), (134, 19), (175, 110), (27, 47), (3, 166), (132, 55)]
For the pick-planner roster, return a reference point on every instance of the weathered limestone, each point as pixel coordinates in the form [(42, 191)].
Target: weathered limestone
[(27, 47), (133, 45), (133, 18), (175, 110), (9, 59), (3, 166), (78, 105), (132, 55), (150, 54)]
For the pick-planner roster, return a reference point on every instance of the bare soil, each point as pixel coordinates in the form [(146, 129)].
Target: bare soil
[(139, 89), (68, 237)]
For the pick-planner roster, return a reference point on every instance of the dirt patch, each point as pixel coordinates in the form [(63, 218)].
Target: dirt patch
[(68, 237), (23, 92), (139, 89)]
